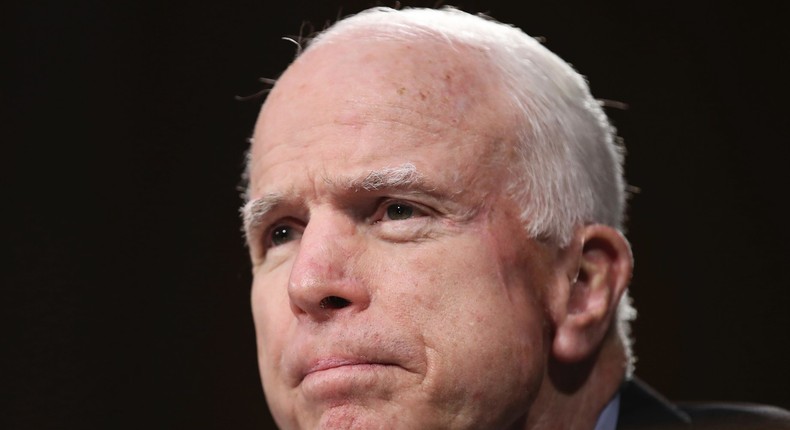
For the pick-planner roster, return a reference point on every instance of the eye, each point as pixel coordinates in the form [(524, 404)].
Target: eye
[(399, 211), (282, 234), (399, 221)]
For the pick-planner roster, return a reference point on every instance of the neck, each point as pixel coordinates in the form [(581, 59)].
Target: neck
[(572, 396)]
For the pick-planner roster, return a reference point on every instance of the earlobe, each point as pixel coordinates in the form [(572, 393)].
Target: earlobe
[(604, 265)]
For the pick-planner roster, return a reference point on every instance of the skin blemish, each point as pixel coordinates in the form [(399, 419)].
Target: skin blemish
[(349, 117), (401, 91)]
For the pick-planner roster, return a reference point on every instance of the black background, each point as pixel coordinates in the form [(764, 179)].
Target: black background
[(125, 287)]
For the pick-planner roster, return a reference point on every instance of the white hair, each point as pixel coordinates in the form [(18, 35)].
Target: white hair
[(569, 171)]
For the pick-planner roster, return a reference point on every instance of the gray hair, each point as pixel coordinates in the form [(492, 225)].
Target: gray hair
[(569, 170)]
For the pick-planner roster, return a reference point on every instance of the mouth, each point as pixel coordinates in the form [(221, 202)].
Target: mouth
[(312, 362), (342, 364), (339, 379)]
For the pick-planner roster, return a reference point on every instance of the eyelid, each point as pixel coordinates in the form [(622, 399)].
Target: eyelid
[(420, 210), (266, 238)]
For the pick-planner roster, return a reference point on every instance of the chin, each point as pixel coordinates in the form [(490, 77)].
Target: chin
[(348, 416), (354, 417), (366, 415)]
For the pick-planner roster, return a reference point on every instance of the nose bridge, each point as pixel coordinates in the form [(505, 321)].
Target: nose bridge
[(322, 281)]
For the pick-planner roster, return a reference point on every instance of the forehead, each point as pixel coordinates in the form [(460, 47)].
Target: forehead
[(375, 102)]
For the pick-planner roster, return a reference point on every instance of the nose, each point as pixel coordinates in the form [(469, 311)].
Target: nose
[(325, 280)]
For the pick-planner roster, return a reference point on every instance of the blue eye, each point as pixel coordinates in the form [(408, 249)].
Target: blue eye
[(399, 211)]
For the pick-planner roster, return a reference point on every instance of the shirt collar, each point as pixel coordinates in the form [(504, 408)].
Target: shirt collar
[(607, 420)]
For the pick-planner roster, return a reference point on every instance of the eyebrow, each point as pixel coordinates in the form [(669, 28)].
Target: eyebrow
[(403, 177), (254, 211)]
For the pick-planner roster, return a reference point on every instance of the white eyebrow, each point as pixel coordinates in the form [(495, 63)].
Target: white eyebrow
[(402, 176), (254, 211), (398, 177)]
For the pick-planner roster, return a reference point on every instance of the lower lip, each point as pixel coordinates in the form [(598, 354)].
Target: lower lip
[(345, 381)]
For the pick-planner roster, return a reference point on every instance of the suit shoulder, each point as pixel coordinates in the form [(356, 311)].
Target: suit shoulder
[(643, 408), (746, 416)]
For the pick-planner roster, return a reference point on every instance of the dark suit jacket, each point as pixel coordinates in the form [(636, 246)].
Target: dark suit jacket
[(644, 409)]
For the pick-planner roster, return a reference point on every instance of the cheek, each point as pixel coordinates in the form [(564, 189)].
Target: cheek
[(273, 327), (481, 325), (272, 317)]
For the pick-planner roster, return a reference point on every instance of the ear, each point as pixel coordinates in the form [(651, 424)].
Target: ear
[(600, 265)]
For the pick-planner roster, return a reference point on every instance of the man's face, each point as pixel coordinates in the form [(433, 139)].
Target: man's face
[(406, 298)]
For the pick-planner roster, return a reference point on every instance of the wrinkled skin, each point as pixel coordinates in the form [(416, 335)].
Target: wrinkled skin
[(401, 307)]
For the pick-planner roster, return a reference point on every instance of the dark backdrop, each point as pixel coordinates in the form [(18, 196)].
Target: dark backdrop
[(125, 286)]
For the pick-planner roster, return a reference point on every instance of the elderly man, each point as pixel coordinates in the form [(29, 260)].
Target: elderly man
[(434, 221)]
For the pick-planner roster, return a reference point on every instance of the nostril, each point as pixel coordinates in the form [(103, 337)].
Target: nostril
[(333, 302)]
